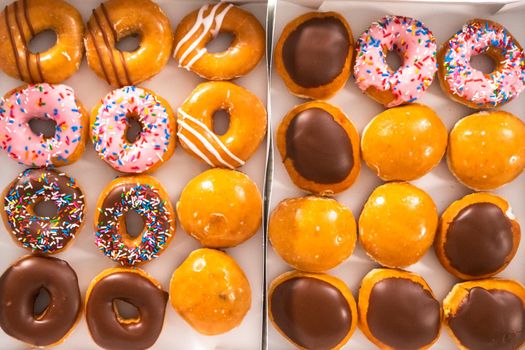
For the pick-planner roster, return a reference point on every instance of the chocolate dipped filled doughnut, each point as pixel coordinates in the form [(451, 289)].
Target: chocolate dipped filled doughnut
[(21, 21), (210, 292), (319, 146), (478, 236), (115, 20), (152, 221), (21, 284), (312, 234), (201, 26), (486, 314), (28, 221), (108, 327), (246, 129), (314, 53), (398, 310), (204, 215), (312, 311)]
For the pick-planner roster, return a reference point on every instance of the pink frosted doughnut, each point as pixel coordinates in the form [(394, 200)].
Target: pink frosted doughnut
[(49, 102), (417, 47), (155, 141)]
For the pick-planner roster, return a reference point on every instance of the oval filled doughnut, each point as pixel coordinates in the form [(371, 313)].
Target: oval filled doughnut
[(201, 26), (115, 20), (246, 130), (21, 21)]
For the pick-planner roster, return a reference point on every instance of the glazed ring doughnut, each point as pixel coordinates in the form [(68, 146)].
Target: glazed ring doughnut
[(472, 87), (63, 136), (22, 21), (147, 198), (21, 283), (201, 26), (245, 133), (27, 222), (417, 47), (115, 20)]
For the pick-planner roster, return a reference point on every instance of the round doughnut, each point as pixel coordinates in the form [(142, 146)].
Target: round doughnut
[(111, 330), (398, 310), (115, 20), (204, 215), (398, 224), (133, 130), (246, 130), (486, 314), (486, 150), (21, 284), (210, 292), (319, 146), (416, 46), (63, 139), (32, 228), (312, 234), (21, 21), (471, 87), (312, 311), (478, 236), (201, 26), (404, 143), (145, 197), (314, 54)]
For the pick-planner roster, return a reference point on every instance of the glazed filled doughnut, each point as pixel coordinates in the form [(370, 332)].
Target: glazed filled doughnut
[(210, 292), (201, 26), (115, 20), (152, 230), (133, 130), (22, 21), (204, 215), (314, 54), (414, 43), (246, 130), (472, 87), (27, 220), (111, 330), (21, 284), (62, 139)]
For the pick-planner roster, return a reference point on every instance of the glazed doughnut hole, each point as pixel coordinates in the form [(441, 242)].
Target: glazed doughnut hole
[(43, 41)]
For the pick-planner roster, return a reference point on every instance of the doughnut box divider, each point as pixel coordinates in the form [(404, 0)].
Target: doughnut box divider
[(93, 174), (444, 18)]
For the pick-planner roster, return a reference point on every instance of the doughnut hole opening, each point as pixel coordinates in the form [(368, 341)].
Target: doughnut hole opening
[(41, 303), (483, 62), (221, 121), (46, 209), (125, 311), (43, 127), (394, 60), (134, 224), (220, 43), (133, 128), (128, 43), (42, 41)]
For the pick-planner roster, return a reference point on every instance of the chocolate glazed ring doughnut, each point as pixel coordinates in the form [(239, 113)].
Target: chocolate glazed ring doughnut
[(112, 330), (115, 20), (21, 284), (23, 20)]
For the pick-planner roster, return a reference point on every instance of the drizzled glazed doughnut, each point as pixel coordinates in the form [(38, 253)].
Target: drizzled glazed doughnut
[(22, 21), (145, 196), (472, 87), (55, 104), (245, 133), (25, 222), (201, 26), (416, 45), (115, 20)]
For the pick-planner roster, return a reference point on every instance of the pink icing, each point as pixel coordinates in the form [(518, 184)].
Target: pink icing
[(110, 125), (415, 44), (46, 101)]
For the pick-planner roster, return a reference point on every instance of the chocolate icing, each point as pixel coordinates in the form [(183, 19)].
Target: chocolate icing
[(19, 287), (312, 313), (402, 314), (320, 148), (489, 320), (106, 329), (479, 239), (314, 54)]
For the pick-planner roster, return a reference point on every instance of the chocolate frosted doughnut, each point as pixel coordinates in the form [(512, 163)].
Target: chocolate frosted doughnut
[(19, 287)]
